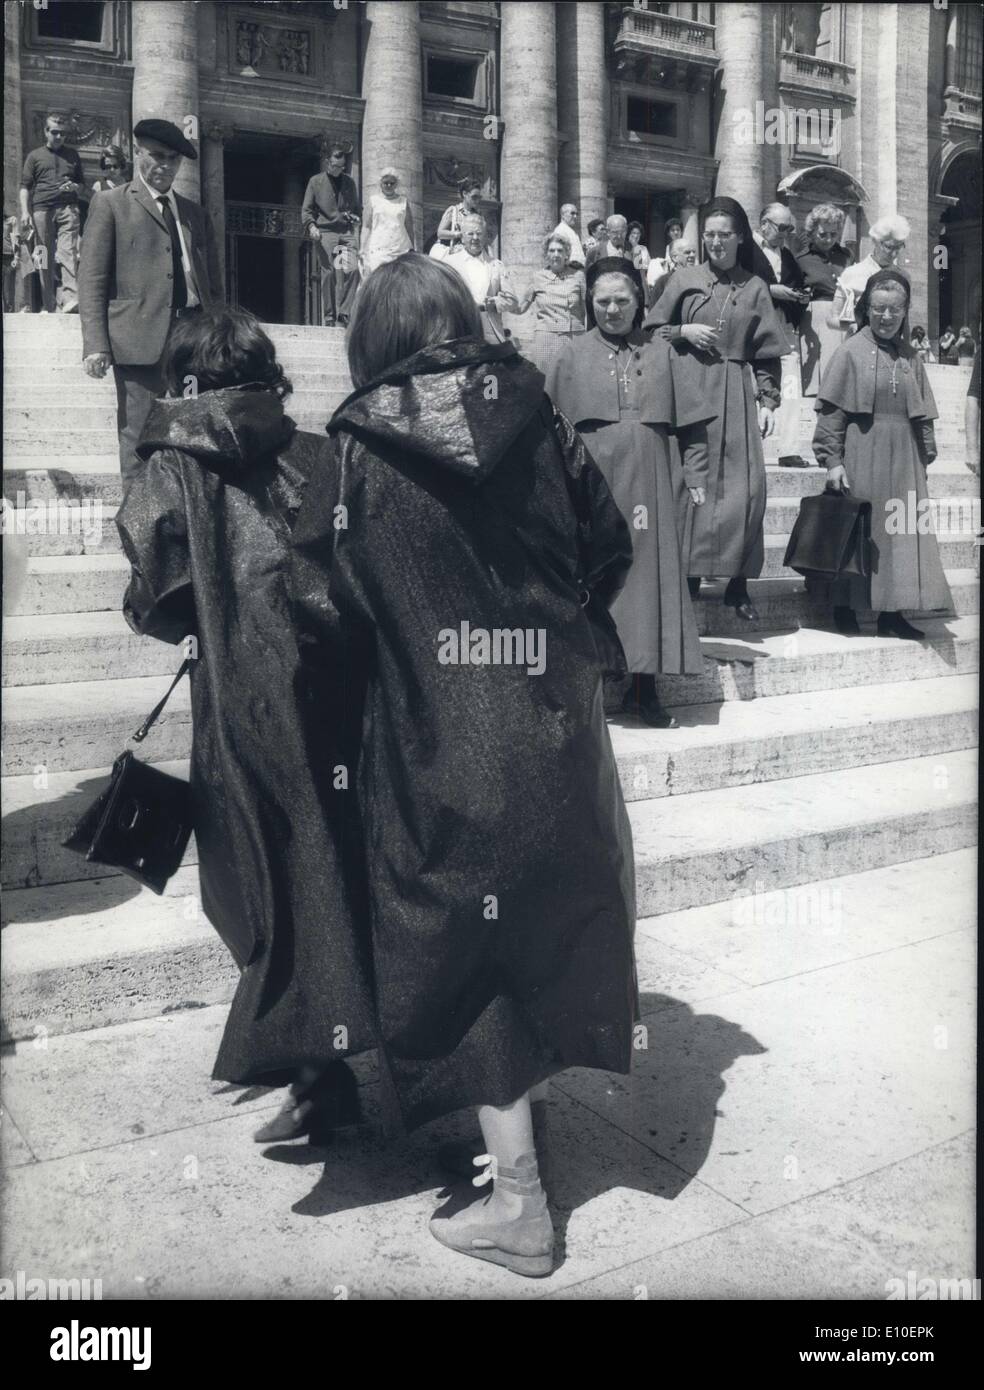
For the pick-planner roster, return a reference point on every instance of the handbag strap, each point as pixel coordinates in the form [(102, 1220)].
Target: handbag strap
[(154, 714)]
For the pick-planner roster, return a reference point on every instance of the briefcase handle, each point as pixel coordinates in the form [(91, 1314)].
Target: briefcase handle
[(154, 714)]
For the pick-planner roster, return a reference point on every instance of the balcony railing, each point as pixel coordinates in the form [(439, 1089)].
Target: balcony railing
[(962, 106), (822, 73), (264, 219), (665, 35)]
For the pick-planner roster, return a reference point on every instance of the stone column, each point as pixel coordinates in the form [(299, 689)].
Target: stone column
[(213, 199), (294, 185), (582, 109), (744, 162), (391, 127), (13, 142), (906, 29), (528, 169), (165, 75)]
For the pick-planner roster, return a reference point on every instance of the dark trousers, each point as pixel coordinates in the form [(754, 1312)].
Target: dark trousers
[(9, 284), (136, 390), (338, 287)]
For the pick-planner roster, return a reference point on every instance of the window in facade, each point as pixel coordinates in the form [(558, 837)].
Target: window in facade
[(812, 30), (78, 21), (969, 44), (453, 77), (645, 117)]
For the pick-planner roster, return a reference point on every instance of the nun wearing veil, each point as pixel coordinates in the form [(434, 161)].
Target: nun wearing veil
[(722, 314), (874, 434)]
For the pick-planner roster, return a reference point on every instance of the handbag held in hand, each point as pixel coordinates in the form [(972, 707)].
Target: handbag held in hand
[(141, 823), (831, 537)]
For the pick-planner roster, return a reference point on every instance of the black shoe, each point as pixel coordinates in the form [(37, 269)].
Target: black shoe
[(793, 461), (894, 625), (329, 323), (329, 1102), (343, 320), (693, 584), (846, 622), (736, 597), (649, 710)]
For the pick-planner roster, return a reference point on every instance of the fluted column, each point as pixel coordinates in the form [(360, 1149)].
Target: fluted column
[(582, 108), (743, 163), (391, 127), (13, 143), (165, 74), (213, 200), (528, 169)]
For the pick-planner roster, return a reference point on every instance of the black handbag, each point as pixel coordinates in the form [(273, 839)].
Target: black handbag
[(831, 537), (141, 823)]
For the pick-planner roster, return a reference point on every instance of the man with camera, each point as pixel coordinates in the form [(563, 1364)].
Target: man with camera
[(330, 215)]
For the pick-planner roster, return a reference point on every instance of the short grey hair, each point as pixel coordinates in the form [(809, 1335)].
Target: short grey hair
[(893, 228), (474, 217), (616, 219), (824, 212), (560, 239), (681, 243)]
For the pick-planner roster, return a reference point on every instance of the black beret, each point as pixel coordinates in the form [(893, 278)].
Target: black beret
[(165, 133)]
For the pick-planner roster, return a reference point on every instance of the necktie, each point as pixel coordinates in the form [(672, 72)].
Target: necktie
[(179, 293)]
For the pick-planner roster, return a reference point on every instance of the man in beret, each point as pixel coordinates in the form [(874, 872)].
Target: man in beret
[(144, 266)]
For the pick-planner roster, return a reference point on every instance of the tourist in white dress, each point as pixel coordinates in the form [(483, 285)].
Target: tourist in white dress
[(387, 224)]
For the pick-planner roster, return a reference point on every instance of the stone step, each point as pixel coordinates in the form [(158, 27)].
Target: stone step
[(710, 846), (107, 950), (58, 420), (944, 478), (87, 955), (95, 583), (785, 603), (55, 527), (957, 551), (41, 809), (25, 387), (55, 648), (98, 476), (756, 935), (84, 724), (72, 584)]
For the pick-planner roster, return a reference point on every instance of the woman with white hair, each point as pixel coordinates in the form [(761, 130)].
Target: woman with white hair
[(559, 292), (822, 264), (888, 237), (387, 224)]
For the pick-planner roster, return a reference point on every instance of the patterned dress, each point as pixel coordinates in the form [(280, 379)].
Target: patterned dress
[(560, 314)]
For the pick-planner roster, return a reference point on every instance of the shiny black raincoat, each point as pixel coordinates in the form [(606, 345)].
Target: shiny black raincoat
[(206, 527), (452, 563)]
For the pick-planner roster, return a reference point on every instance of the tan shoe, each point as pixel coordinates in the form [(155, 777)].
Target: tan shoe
[(521, 1239)]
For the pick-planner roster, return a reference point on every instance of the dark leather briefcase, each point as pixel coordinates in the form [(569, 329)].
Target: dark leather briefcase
[(831, 537)]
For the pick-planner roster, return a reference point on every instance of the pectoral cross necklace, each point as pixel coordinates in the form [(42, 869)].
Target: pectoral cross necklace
[(729, 298)]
